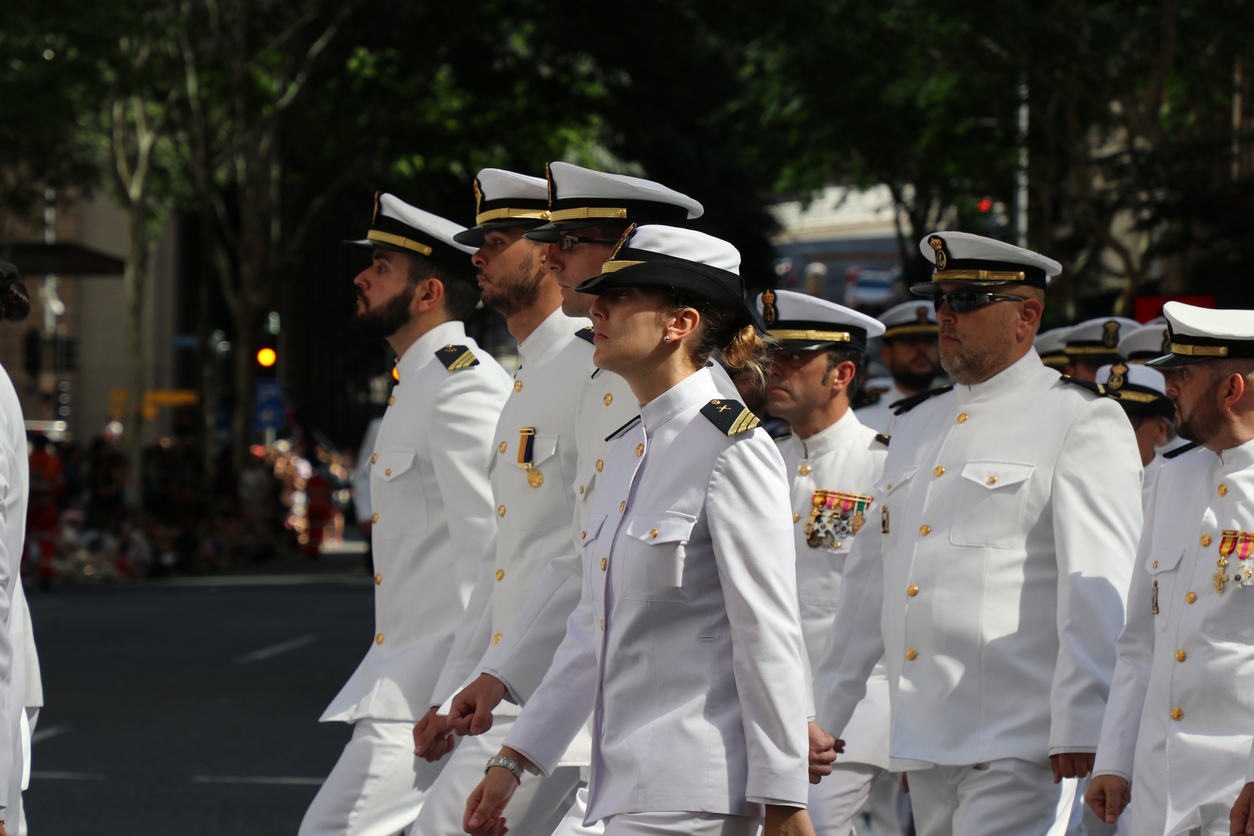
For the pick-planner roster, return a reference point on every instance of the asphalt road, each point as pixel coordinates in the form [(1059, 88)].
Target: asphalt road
[(190, 709)]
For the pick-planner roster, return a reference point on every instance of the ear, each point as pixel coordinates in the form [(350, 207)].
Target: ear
[(428, 295), (1232, 390), (1030, 313), (682, 324), (842, 376)]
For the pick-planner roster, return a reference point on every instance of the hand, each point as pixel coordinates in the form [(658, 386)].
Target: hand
[(1241, 819), (1071, 765), (487, 802), (472, 707), (3, 832), (1108, 795), (787, 821), (432, 737), (823, 749)]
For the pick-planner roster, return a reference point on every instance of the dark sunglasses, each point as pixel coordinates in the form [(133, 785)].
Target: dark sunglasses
[(965, 301), (565, 242)]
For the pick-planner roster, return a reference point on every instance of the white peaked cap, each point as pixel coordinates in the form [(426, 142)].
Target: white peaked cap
[(1099, 337), (1145, 343), (1200, 334), (800, 320), (963, 258)]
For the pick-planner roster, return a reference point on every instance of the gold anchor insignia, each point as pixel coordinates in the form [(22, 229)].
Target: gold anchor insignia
[(1117, 376), (768, 307), (375, 216), (1110, 334), (478, 196), (1167, 341), (548, 177), (920, 314), (938, 244), (622, 242)]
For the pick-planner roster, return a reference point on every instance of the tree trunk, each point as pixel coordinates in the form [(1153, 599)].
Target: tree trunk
[(245, 347), (135, 278), (207, 362)]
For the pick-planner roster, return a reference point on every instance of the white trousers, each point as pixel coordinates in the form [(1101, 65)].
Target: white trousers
[(1008, 797), (572, 823), (836, 799), (377, 786), (682, 824), (534, 810)]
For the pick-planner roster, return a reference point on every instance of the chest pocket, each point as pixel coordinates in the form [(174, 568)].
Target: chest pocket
[(1231, 617), (535, 498), (653, 554), (819, 573), (1161, 564), (396, 494), (993, 499)]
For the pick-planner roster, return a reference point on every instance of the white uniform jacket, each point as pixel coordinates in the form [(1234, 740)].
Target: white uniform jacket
[(433, 518), (1181, 716), (686, 645), (1147, 480), (532, 469), (832, 474), (878, 416), (1008, 516), (14, 492)]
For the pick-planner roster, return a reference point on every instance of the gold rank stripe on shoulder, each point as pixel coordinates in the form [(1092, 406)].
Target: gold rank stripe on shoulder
[(730, 416), (457, 357)]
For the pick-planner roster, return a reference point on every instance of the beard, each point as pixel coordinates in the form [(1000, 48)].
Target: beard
[(969, 366), (917, 381), (1204, 422), (515, 293), (387, 319)]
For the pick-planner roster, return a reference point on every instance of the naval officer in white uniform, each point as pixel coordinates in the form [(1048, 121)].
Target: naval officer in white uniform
[(432, 515), (1142, 392), (686, 646), (1094, 343), (1007, 520), (1181, 716), (908, 348), (833, 461)]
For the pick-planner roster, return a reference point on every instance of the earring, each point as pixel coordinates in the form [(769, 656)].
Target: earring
[(666, 339)]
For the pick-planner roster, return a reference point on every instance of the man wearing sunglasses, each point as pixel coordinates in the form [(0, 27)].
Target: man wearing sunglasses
[(1008, 515)]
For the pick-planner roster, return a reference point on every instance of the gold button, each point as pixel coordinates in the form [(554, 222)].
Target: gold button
[(795, 516), (500, 573), (501, 447), (604, 563), (1181, 656), (622, 506), (500, 510), (1205, 541), (378, 639), (992, 480), (535, 478), (1223, 490), (925, 530), (939, 471), (378, 579), (583, 535), (517, 385), (1190, 598), (962, 417), (581, 488), (603, 624), (1154, 565), (837, 544), (391, 400), (1177, 714), (374, 458), (639, 450), (600, 464), (911, 655), (387, 472), (374, 518), (912, 590), (609, 399), (890, 486), (496, 639), (653, 534), (804, 470)]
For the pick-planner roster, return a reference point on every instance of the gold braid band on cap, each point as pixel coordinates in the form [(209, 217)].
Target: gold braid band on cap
[(824, 336), (615, 266), (397, 241), (496, 214), (584, 212), (997, 276), (1199, 350), (1139, 397), (930, 328), (1089, 349)]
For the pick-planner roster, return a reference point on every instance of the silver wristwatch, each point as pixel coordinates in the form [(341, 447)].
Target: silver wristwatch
[(508, 763)]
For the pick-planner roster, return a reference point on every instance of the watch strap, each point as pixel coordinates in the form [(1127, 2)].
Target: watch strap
[(507, 763)]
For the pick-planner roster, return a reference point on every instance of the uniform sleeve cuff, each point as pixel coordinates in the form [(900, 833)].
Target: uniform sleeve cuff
[(774, 802)]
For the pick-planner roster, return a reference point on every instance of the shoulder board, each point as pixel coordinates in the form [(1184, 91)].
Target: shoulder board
[(455, 357), (883, 439), (585, 334), (622, 431), (904, 405), (867, 397), (730, 416), (1180, 451), (1095, 388)]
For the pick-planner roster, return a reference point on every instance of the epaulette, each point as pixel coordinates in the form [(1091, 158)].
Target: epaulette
[(883, 439), (730, 416), (455, 357), (867, 397), (1180, 451), (586, 334), (904, 405), (1095, 388), (622, 431)]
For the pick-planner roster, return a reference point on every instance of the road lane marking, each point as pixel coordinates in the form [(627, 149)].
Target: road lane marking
[(37, 775), (275, 649), (43, 734), (278, 780)]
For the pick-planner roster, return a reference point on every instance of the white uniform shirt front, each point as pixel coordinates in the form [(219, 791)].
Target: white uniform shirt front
[(686, 646), (1181, 717), (1147, 481), (832, 474), (433, 518), (534, 504), (1008, 515), (879, 416), (14, 492)]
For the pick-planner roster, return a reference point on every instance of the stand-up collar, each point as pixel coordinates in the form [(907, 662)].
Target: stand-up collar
[(697, 389), (1236, 458), (556, 330), (1024, 369), (840, 434), (423, 349)]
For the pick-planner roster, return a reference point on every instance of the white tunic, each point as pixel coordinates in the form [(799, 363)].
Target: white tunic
[(878, 416), (14, 491), (686, 645), (435, 516), (830, 470), (1009, 512), (1181, 716)]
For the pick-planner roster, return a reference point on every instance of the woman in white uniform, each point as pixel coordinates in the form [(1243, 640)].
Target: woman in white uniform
[(686, 647)]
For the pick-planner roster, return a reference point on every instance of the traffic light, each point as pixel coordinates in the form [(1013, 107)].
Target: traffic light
[(266, 357)]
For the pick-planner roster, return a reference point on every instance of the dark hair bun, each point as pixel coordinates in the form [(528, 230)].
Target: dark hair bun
[(14, 302)]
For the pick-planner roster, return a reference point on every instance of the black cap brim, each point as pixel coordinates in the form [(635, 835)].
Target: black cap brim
[(699, 280), (550, 232), (476, 235), (1171, 361), (367, 244)]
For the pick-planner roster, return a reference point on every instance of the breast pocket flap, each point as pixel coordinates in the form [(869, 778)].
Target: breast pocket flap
[(544, 446), (1163, 560), (589, 534), (670, 527), (996, 475), (894, 481), (390, 464)]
